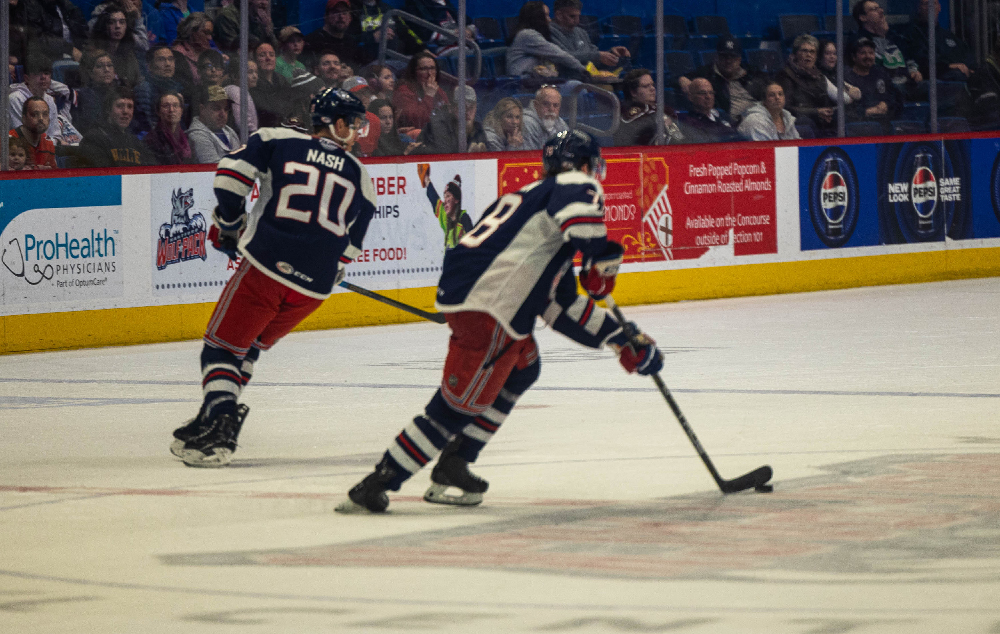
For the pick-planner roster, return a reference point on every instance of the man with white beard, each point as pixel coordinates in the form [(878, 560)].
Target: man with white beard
[(541, 120)]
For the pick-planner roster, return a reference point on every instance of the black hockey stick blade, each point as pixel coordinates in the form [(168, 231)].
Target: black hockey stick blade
[(756, 479), (437, 318)]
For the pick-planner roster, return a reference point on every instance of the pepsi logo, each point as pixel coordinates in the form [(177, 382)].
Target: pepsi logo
[(923, 191)]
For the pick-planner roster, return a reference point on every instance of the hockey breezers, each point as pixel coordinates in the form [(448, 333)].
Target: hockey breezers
[(435, 317), (756, 479)]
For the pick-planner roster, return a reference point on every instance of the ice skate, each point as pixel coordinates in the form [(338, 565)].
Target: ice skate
[(197, 427), (369, 494), (215, 445), (452, 472)]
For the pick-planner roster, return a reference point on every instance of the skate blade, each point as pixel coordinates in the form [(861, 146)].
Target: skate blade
[(438, 494), (348, 506), (220, 458), (177, 448)]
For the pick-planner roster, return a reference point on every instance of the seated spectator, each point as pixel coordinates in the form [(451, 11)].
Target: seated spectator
[(984, 86), (442, 13), (335, 35), (418, 94), (953, 55), (291, 43), (330, 70), (381, 79), (194, 37), (532, 52), (503, 127), (113, 144), (134, 14), (880, 100), (211, 68), (730, 80), (638, 114), (873, 24), (210, 137), (18, 153), (235, 98), (37, 81), (168, 16), (808, 93), (567, 34), (541, 120), (55, 29), (114, 33), (390, 142), (440, 135), (264, 21), (35, 121), (167, 140), (160, 61), (767, 119), (705, 123), (272, 93), (826, 60), (98, 70)]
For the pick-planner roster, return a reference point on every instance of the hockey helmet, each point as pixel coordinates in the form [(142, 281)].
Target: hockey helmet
[(572, 149), (332, 104)]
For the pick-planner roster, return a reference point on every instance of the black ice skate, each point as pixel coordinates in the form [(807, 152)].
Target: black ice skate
[(209, 443), (369, 494), (452, 471)]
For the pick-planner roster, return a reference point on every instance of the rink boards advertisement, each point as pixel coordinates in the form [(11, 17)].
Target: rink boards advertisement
[(695, 222)]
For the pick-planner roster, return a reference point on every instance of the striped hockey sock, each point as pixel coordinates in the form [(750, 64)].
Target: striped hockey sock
[(481, 430), (221, 379), (419, 443)]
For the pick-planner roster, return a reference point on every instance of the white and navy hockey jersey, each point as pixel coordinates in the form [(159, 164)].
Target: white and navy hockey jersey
[(316, 202), (513, 265)]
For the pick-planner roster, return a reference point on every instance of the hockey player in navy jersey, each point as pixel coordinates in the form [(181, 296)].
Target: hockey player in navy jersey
[(315, 206), (513, 266)]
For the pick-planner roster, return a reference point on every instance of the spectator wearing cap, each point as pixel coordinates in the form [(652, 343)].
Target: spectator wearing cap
[(37, 81), (162, 65), (210, 137), (335, 35), (880, 100), (568, 35), (418, 95), (235, 97), (704, 123), (265, 20), (273, 93), (954, 57), (730, 80), (440, 135), (291, 44), (113, 144), (541, 120), (35, 121)]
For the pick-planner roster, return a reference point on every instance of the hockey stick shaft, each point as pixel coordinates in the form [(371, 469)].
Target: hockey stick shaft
[(437, 318), (750, 480)]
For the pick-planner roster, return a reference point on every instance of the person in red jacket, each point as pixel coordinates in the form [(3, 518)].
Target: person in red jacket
[(34, 123)]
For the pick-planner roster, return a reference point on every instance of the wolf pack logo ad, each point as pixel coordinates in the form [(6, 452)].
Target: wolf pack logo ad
[(60, 239), (922, 192), (833, 197), (183, 238)]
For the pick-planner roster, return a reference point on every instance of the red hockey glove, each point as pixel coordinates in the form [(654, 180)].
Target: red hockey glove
[(597, 276), (637, 352)]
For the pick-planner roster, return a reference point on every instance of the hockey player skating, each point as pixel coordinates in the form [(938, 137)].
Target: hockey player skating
[(309, 223), (514, 265)]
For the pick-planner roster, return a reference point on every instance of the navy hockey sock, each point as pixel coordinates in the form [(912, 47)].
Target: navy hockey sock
[(481, 430), (221, 380), (246, 365)]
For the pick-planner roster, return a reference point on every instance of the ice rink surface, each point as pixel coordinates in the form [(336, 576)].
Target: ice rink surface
[(876, 407)]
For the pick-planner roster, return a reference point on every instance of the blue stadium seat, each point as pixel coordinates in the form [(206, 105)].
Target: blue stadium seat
[(677, 63), (793, 25), (864, 128), (509, 24), (764, 60), (915, 111), (702, 43), (711, 25), (490, 31), (708, 57), (622, 25), (904, 126), (953, 124), (830, 23), (805, 129), (592, 26)]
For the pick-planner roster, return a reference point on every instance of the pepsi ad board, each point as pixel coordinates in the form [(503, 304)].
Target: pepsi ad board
[(924, 191), (986, 200), (838, 197)]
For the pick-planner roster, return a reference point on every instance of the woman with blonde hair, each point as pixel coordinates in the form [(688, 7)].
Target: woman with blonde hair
[(504, 127)]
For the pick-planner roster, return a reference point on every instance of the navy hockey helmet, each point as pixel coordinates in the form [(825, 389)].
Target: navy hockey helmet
[(332, 104), (572, 149)]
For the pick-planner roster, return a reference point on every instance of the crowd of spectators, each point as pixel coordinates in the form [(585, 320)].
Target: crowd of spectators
[(146, 83)]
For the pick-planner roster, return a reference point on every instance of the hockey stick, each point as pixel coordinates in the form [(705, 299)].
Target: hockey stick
[(756, 479), (435, 317)]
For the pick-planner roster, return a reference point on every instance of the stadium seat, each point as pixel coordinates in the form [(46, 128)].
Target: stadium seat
[(864, 128), (953, 124), (952, 98), (676, 26), (830, 23), (915, 111), (490, 31), (708, 57), (702, 43), (509, 24), (711, 25), (805, 129), (622, 25), (904, 126), (793, 25), (677, 63), (765, 60)]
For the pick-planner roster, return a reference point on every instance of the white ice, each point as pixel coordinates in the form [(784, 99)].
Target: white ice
[(876, 407)]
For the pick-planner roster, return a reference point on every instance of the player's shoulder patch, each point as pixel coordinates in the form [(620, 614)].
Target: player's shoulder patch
[(576, 185)]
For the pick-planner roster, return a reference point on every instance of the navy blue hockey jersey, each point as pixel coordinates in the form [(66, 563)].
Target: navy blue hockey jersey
[(316, 202), (513, 260)]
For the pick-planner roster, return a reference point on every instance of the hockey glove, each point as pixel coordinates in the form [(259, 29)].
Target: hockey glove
[(637, 352), (225, 236), (597, 276)]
